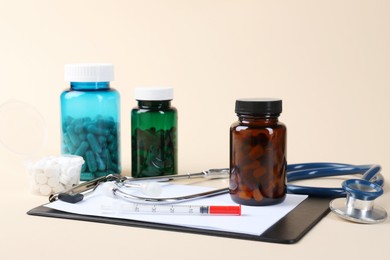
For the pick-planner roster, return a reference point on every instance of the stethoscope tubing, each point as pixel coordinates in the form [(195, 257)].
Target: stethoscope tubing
[(294, 172), (306, 171)]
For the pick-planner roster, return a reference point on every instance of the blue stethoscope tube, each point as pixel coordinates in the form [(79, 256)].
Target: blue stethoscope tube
[(306, 171)]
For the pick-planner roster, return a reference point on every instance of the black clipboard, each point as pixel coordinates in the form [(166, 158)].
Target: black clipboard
[(288, 230)]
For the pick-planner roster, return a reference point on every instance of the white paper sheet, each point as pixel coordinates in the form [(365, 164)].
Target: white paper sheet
[(253, 221)]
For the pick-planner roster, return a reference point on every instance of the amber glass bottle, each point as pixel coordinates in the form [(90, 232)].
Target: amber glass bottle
[(258, 153)]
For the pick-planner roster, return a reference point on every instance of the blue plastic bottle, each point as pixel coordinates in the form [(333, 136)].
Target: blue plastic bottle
[(90, 116)]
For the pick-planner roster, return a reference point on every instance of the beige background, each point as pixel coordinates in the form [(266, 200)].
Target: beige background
[(328, 60)]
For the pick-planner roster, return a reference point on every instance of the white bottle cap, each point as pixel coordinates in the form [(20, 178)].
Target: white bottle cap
[(89, 72), (154, 93)]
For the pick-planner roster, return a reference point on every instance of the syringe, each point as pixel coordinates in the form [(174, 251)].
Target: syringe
[(131, 208)]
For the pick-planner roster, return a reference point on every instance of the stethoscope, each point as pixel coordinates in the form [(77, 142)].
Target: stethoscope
[(354, 200)]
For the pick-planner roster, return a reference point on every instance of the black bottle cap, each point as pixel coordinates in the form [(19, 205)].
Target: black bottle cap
[(258, 106)]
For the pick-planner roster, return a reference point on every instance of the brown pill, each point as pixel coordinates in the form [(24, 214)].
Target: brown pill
[(245, 195), (256, 152), (257, 195), (260, 171)]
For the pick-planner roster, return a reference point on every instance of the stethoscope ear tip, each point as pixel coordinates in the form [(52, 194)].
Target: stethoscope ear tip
[(359, 206)]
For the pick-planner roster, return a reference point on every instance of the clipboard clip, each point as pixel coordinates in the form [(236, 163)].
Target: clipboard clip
[(76, 193)]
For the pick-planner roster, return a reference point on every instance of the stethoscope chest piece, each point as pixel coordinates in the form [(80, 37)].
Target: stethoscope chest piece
[(359, 206)]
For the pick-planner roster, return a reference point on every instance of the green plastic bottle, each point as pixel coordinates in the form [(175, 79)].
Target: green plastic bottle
[(154, 133)]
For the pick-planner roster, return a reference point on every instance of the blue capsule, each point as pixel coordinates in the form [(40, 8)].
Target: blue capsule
[(68, 144), (100, 174), (74, 138), (102, 140), (82, 149), (93, 143), (97, 130), (94, 139), (91, 161), (87, 176), (106, 156), (100, 163)]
